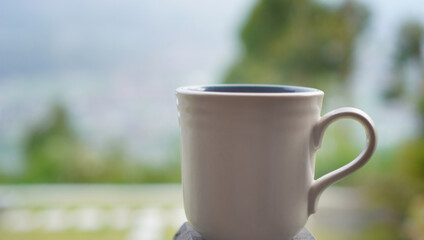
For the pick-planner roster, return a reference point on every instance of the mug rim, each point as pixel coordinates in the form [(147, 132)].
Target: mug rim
[(200, 90)]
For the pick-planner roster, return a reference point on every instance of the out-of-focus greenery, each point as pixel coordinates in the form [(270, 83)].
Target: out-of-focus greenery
[(300, 42), (64, 235), (399, 192), (54, 153)]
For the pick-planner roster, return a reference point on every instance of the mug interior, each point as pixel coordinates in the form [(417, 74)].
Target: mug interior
[(253, 89)]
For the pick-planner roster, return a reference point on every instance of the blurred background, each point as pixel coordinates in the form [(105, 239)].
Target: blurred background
[(89, 139)]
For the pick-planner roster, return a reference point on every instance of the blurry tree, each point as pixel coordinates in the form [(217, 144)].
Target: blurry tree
[(55, 154), (51, 148), (409, 57), (302, 42)]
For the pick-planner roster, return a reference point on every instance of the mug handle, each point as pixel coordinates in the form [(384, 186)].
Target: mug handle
[(323, 182)]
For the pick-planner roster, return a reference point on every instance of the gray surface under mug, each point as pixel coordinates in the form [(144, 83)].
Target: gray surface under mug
[(186, 232)]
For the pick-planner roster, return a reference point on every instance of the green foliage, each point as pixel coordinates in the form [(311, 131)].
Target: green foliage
[(400, 190), (410, 43), (67, 235), (55, 154), (409, 52), (337, 150), (410, 163), (52, 151), (298, 42), (382, 230)]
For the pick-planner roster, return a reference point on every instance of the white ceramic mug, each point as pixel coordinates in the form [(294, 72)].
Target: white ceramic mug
[(248, 158)]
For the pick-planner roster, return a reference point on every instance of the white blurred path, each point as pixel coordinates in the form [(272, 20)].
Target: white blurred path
[(144, 211)]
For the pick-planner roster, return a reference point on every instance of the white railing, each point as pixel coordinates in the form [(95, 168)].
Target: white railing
[(143, 211)]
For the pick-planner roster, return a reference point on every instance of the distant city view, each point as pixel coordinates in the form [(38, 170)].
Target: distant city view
[(115, 67)]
